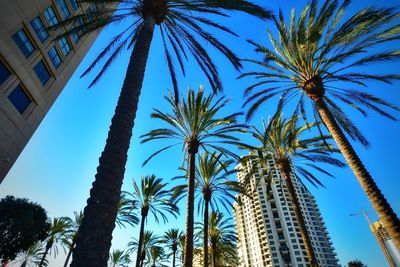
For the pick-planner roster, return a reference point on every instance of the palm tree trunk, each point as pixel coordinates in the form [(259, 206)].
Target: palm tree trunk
[(48, 246), (188, 257), (95, 232), (173, 258), (205, 233), (299, 217), (140, 243), (71, 248), (386, 214), (214, 255)]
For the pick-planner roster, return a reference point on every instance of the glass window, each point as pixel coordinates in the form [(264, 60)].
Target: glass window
[(19, 99), (50, 16), (39, 28), (26, 46), (74, 4), (4, 73), (42, 72), (64, 8), (65, 47), (54, 57)]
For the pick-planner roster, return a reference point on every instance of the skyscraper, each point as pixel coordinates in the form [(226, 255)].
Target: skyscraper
[(389, 249), (267, 227), (34, 68)]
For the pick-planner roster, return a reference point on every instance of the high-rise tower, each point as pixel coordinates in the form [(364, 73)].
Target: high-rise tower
[(33, 67), (267, 227)]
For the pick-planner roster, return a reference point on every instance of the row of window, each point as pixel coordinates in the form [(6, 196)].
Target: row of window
[(18, 96)]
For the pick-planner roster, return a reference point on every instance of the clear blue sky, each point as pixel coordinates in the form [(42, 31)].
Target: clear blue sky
[(57, 166)]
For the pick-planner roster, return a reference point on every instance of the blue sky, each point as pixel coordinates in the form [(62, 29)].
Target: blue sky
[(57, 166)]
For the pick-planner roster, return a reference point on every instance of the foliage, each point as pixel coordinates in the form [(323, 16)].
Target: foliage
[(149, 240), (195, 120), (321, 54), (212, 182), (32, 256), (356, 263), (153, 196), (183, 28), (284, 139), (22, 224), (118, 258)]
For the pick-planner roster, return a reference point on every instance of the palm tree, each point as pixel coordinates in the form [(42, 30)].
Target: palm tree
[(213, 187), (58, 230), (157, 254), (149, 240), (221, 235), (183, 27), (319, 57), (32, 256), (118, 258), (195, 124), (281, 140), (72, 234), (153, 197), (172, 238)]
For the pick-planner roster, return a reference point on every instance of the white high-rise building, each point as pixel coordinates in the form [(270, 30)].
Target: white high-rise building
[(267, 228)]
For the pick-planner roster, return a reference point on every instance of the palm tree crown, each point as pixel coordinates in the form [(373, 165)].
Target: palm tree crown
[(172, 238), (183, 26)]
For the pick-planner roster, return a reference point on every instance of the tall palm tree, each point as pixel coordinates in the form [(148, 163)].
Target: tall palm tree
[(194, 123), (281, 140), (118, 258), (184, 27), (154, 197), (172, 238), (221, 235), (213, 189), (319, 56), (149, 240), (58, 230)]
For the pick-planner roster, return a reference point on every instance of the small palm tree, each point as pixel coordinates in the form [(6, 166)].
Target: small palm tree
[(221, 235), (153, 197), (183, 26), (281, 140), (32, 256), (72, 234), (149, 240), (213, 189), (57, 233), (118, 258), (194, 123), (172, 238), (157, 255), (319, 57)]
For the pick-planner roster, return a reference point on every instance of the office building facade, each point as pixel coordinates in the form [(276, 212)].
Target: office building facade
[(34, 67), (267, 228)]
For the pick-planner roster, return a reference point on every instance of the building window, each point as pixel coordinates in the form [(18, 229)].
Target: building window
[(64, 8), (54, 57), (42, 72), (50, 16), (19, 99), (65, 47), (4, 73), (74, 4), (26, 46), (39, 28)]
